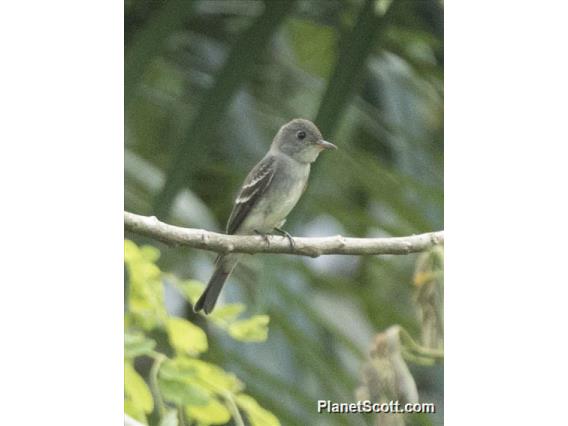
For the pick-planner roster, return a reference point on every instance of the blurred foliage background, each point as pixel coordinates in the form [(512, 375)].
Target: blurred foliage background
[(207, 85)]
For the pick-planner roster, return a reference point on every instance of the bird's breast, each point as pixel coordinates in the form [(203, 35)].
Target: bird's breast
[(283, 194)]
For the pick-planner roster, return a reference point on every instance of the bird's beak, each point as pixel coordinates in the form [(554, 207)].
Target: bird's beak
[(326, 145)]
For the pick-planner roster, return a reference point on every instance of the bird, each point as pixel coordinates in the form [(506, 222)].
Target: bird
[(269, 193)]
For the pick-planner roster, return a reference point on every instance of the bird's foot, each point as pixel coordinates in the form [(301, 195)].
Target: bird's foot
[(264, 237), (287, 235)]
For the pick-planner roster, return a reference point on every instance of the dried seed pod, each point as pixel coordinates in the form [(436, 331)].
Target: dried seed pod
[(429, 296), (386, 377)]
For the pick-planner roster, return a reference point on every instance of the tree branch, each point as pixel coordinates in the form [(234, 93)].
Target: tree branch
[(313, 247)]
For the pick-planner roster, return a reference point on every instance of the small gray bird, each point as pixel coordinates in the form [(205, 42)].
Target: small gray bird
[(269, 193)]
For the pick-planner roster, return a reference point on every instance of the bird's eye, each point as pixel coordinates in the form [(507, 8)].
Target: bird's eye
[(301, 135)]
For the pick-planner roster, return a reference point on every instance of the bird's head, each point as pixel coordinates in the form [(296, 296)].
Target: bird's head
[(301, 140)]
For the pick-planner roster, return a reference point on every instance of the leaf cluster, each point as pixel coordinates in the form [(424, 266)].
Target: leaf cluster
[(180, 386)]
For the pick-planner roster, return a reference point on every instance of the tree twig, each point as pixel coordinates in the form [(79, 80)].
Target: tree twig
[(313, 247)]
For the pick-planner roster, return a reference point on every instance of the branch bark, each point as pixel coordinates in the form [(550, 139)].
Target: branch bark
[(313, 247)]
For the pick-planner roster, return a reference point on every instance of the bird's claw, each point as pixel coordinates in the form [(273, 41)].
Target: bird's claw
[(264, 237), (287, 235)]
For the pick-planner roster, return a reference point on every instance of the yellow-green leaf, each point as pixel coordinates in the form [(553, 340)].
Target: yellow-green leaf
[(136, 344), (177, 369), (145, 295), (181, 392), (226, 314), (257, 415), (134, 411), (214, 413), (190, 289), (215, 378), (208, 375), (186, 337), (151, 254), (131, 251), (136, 389), (253, 329)]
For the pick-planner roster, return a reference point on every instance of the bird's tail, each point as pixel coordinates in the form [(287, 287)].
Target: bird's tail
[(224, 265)]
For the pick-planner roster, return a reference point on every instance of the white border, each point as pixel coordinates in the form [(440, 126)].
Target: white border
[(506, 213), (61, 172)]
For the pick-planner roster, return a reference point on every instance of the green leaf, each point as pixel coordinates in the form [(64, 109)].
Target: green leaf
[(143, 270), (226, 314), (177, 369), (257, 415), (207, 375), (131, 251), (214, 413), (186, 337), (136, 344), (170, 418), (181, 392), (137, 390), (190, 289), (134, 411), (149, 253), (253, 329), (146, 307)]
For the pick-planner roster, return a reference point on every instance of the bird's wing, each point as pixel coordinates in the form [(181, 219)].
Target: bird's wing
[(254, 186)]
